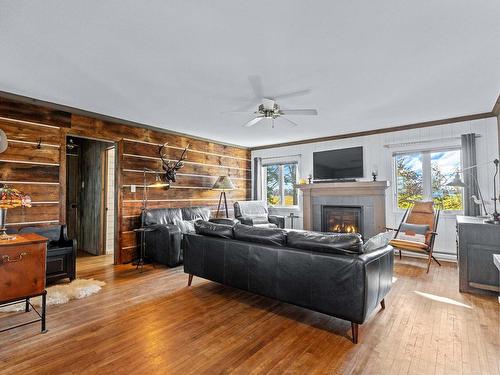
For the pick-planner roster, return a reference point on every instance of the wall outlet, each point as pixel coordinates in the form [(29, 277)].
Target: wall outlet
[(133, 188)]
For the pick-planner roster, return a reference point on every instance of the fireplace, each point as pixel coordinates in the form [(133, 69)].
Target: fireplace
[(342, 219)]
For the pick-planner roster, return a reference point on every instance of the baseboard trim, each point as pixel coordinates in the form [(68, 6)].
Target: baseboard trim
[(439, 256)]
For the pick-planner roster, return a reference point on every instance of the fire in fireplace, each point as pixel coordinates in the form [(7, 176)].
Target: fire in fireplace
[(342, 219)]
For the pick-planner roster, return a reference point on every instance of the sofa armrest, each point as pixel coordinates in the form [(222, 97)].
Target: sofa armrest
[(246, 220), (278, 220), (378, 272), (64, 241), (163, 244)]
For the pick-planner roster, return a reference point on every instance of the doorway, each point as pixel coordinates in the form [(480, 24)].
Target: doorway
[(90, 195)]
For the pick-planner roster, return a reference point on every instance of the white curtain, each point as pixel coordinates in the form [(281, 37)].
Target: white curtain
[(470, 176)]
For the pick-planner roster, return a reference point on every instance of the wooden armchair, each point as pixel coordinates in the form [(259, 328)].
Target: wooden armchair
[(422, 220)]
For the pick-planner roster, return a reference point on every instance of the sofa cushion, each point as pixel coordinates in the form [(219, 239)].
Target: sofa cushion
[(195, 213), (268, 236), (207, 228), (163, 216), (334, 243)]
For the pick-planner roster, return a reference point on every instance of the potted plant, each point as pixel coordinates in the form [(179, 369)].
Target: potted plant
[(10, 198)]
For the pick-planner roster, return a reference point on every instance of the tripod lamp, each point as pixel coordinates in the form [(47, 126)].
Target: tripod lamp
[(223, 184), (457, 182)]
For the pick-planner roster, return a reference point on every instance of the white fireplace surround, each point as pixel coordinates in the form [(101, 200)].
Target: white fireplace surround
[(367, 194)]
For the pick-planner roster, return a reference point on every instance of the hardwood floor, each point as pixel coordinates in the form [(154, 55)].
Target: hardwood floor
[(152, 323)]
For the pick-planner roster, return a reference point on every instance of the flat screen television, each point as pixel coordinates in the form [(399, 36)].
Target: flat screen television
[(341, 164)]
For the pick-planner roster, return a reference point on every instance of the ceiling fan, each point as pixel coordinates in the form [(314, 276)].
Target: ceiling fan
[(269, 109)]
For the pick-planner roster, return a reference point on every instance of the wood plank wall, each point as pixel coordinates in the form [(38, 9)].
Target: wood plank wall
[(42, 171)]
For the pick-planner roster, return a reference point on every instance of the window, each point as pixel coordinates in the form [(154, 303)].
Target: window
[(423, 176), (280, 184)]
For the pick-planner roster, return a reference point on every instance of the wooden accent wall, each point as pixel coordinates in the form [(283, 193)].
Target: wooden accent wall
[(41, 172)]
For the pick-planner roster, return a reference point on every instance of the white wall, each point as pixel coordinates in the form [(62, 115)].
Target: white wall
[(376, 154)]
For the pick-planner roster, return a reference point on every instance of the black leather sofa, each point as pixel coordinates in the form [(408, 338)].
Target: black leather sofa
[(328, 273), (61, 251), (164, 243)]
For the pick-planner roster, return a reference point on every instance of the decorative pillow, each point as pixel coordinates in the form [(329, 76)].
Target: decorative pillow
[(412, 229), (186, 226), (378, 241)]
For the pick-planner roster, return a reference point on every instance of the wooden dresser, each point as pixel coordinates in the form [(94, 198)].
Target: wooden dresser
[(476, 243), (22, 272)]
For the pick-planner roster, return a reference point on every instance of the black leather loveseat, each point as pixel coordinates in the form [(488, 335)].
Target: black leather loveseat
[(164, 243), (322, 272)]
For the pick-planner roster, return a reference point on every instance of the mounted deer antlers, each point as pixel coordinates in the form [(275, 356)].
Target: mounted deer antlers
[(170, 166)]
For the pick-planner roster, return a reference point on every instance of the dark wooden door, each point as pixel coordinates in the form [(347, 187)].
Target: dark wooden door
[(90, 234)]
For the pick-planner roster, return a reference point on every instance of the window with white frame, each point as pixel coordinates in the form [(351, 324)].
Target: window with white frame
[(279, 182), (423, 175)]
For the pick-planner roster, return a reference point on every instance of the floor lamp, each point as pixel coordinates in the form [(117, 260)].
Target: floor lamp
[(223, 184), (158, 183), (143, 229), (457, 182)]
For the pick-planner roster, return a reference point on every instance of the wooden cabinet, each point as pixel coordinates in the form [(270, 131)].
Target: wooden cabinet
[(22, 271), (477, 242)]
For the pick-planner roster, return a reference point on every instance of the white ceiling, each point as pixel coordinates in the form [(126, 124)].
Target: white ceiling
[(179, 64)]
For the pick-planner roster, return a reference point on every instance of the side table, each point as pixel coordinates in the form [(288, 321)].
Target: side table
[(142, 249), (496, 261), (292, 217)]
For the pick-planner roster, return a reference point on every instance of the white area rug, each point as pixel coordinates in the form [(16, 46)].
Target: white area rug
[(62, 293)]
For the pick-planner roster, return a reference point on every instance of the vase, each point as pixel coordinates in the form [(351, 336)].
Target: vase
[(3, 220)]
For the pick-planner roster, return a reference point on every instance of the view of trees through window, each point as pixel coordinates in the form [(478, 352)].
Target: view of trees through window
[(280, 184), (424, 175)]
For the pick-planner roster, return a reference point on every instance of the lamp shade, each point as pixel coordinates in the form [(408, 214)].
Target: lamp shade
[(223, 183), (3, 141), (456, 182), (158, 182)]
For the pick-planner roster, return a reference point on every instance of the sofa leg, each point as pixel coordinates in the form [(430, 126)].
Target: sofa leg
[(382, 304), (190, 279), (354, 331)]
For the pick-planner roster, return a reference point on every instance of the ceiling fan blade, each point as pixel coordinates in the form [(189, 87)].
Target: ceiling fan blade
[(290, 122), (300, 112), (256, 83), (292, 94), (253, 121)]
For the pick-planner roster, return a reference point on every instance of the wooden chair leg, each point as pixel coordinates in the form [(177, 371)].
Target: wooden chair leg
[(190, 279), (400, 254), (382, 304), (354, 331), (437, 261), (429, 261)]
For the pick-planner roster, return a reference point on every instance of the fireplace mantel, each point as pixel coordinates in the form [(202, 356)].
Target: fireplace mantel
[(372, 190)]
